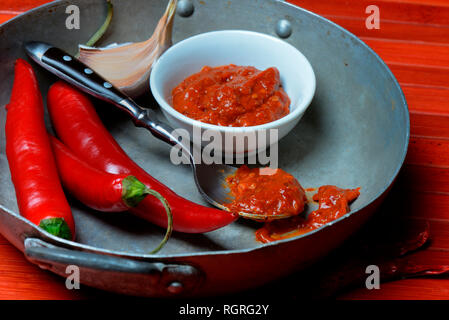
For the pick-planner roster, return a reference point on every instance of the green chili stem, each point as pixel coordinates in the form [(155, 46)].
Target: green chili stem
[(100, 32), (57, 227), (133, 191), (169, 219)]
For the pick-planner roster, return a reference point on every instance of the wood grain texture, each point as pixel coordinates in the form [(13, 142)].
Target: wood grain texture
[(429, 125), (19, 6), (398, 20), (395, 30), (410, 53), (21, 280), (428, 151), (407, 289), (427, 100), (5, 17), (415, 13), (441, 3), (427, 76), (414, 42)]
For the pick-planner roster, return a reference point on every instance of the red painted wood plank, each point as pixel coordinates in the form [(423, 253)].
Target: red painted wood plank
[(425, 205), (429, 125), (389, 11), (394, 30), (20, 279), (412, 53), (429, 100), (419, 288), (421, 75), (425, 151), (439, 238), (442, 3), (407, 289), (426, 179), (414, 22), (19, 6), (6, 17)]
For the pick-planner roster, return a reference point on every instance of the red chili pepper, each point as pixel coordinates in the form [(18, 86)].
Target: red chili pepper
[(40, 196), (79, 127), (97, 189), (101, 190)]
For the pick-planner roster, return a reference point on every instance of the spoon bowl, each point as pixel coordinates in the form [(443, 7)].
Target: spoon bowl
[(211, 182)]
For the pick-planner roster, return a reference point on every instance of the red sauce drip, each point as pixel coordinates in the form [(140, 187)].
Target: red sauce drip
[(232, 96), (333, 203), (266, 192)]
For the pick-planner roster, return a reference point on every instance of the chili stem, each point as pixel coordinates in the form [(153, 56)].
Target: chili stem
[(169, 219), (134, 191), (100, 32), (57, 227)]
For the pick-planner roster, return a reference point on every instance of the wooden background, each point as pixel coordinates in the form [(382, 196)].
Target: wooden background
[(414, 42)]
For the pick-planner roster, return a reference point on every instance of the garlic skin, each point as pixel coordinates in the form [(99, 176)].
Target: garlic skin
[(128, 66)]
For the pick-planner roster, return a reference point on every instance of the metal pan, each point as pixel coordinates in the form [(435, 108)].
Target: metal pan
[(354, 134)]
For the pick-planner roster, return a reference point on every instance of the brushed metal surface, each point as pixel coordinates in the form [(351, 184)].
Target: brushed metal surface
[(355, 134)]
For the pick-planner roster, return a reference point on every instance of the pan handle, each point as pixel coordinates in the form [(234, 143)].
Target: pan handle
[(115, 274)]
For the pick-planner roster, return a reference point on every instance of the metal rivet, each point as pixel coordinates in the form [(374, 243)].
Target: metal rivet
[(175, 287), (107, 85), (284, 28), (67, 58), (88, 71), (185, 8)]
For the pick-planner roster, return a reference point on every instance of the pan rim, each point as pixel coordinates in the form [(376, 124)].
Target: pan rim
[(388, 184)]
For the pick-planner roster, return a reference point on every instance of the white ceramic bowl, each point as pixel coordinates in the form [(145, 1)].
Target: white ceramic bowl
[(243, 48)]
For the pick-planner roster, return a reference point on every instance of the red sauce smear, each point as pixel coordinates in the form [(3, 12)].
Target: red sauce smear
[(265, 191), (232, 96), (333, 202)]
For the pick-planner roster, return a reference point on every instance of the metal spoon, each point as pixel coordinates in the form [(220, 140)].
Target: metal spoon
[(210, 179)]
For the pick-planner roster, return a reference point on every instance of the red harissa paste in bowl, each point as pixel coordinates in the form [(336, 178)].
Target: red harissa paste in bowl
[(232, 96)]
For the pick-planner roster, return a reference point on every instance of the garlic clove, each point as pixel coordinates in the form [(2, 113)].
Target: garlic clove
[(128, 66)]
